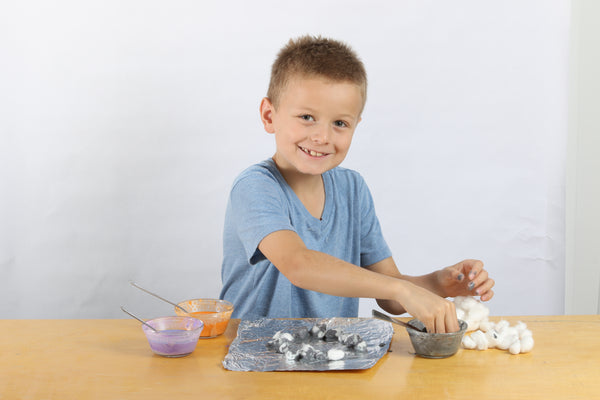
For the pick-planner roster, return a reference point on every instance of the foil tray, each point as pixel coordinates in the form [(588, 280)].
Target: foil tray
[(249, 352)]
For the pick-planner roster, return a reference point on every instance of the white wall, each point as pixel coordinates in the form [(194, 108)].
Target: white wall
[(124, 123), (582, 283)]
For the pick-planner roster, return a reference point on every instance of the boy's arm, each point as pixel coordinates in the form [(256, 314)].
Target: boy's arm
[(466, 278), (323, 273)]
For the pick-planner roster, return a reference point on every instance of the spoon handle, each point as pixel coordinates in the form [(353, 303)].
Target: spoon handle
[(384, 317), (139, 319), (157, 296)]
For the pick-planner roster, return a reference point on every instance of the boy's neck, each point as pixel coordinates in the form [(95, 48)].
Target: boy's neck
[(309, 189)]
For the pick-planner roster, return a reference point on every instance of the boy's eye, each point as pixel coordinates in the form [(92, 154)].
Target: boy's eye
[(307, 117), (340, 124)]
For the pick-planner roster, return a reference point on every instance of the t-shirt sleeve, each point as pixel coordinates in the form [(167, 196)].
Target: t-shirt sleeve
[(373, 245), (258, 208)]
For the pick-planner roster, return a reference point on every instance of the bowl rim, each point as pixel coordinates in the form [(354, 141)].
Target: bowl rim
[(194, 321), (462, 323), (230, 306)]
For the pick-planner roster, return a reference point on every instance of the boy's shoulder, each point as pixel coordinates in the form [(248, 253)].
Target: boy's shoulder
[(260, 173), (346, 175), (265, 168)]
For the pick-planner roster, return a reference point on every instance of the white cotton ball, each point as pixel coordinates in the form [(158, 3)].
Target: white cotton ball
[(500, 326), (492, 338), (515, 348), (506, 337), (486, 325), (472, 325), (468, 302), (460, 313), (458, 300), (526, 344), (525, 333), (335, 354), (520, 326), (480, 340), (468, 342), (478, 312)]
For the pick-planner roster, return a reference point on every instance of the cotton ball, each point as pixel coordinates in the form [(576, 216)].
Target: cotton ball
[(515, 347), (467, 302), (526, 344), (478, 312), (492, 338), (335, 354), (480, 340), (506, 337), (520, 326), (500, 326), (468, 342), (486, 325), (472, 311), (472, 325), (525, 333), (458, 301)]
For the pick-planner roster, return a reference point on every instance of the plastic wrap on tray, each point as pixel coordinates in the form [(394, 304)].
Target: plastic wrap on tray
[(249, 350)]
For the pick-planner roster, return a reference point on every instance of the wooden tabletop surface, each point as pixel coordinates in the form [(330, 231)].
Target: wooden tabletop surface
[(111, 359)]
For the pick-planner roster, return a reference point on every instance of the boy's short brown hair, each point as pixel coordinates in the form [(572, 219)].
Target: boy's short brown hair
[(309, 56)]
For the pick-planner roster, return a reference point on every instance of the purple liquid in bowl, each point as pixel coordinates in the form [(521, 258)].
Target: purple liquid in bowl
[(170, 342)]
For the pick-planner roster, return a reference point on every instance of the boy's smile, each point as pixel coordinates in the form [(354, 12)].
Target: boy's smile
[(313, 124)]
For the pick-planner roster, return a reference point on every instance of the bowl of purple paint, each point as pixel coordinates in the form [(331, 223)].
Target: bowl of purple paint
[(174, 336)]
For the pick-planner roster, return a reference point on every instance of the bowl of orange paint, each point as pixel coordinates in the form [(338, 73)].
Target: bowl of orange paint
[(214, 313)]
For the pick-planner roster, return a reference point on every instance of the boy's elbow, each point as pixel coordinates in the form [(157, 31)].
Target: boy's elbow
[(295, 267)]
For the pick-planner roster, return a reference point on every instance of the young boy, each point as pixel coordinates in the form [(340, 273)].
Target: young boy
[(301, 236)]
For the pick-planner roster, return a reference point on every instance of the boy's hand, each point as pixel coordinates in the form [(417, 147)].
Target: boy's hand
[(437, 314), (467, 278)]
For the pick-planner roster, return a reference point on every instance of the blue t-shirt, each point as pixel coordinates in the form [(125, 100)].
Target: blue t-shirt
[(261, 202)]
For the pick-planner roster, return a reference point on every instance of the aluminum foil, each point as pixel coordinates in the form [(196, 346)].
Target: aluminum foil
[(249, 352)]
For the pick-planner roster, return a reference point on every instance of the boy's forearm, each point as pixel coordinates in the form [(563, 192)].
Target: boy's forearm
[(429, 282), (323, 273)]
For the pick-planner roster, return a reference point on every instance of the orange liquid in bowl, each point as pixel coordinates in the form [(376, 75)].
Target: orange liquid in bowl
[(214, 313), (213, 326)]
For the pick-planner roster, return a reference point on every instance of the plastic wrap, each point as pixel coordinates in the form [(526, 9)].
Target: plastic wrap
[(249, 351)]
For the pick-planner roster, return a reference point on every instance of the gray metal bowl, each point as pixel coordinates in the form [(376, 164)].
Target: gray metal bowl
[(435, 345)]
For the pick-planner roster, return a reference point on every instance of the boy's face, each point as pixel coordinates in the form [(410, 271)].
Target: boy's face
[(313, 124)]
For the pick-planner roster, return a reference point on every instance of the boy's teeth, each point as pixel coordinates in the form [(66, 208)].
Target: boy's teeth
[(312, 152)]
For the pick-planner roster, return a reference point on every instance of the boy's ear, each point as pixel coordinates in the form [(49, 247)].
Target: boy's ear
[(266, 114)]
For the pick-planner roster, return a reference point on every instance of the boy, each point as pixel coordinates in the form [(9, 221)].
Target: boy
[(301, 236)]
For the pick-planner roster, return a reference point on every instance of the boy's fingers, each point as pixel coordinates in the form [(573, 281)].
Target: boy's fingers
[(487, 295), (485, 287), (474, 267)]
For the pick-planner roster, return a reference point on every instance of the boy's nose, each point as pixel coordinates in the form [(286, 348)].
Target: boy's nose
[(320, 136)]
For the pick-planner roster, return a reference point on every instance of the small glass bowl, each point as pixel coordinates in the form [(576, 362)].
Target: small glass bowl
[(213, 312), (176, 336), (435, 345)]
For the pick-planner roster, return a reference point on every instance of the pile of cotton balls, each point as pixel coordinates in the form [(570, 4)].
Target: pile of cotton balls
[(516, 339)]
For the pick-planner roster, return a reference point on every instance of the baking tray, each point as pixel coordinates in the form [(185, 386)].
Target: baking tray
[(249, 352)]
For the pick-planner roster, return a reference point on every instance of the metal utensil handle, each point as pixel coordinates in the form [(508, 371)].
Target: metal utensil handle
[(384, 317), (139, 319), (155, 295)]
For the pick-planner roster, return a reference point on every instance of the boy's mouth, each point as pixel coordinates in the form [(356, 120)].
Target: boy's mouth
[(312, 152)]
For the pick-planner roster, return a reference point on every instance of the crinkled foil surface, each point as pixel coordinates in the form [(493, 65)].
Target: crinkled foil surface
[(249, 352)]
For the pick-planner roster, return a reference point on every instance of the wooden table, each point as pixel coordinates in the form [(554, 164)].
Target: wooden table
[(111, 359)]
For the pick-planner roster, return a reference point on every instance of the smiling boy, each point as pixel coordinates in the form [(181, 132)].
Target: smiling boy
[(301, 236)]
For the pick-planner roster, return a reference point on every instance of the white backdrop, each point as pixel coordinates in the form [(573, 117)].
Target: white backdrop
[(124, 123)]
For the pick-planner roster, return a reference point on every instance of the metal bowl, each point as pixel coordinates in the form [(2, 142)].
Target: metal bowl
[(435, 345)]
